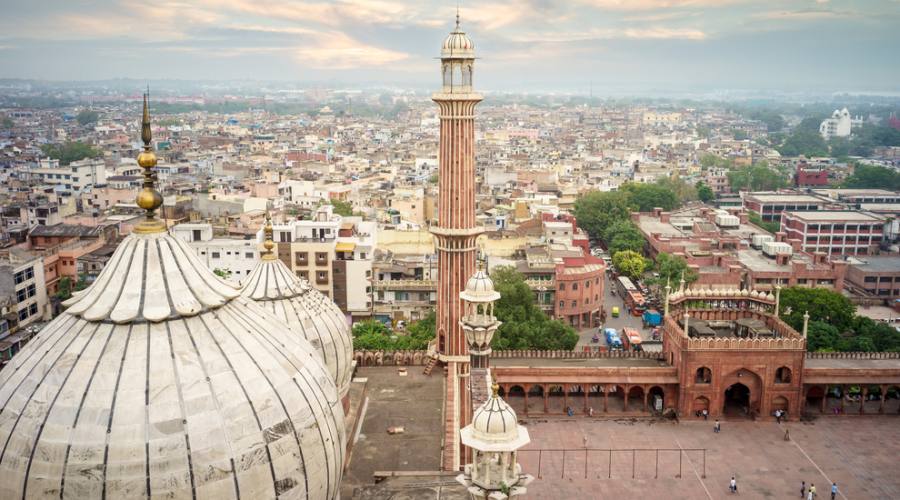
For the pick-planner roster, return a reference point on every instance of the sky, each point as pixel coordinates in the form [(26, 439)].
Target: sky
[(523, 45)]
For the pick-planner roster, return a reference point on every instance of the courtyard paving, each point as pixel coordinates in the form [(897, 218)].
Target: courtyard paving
[(860, 453)]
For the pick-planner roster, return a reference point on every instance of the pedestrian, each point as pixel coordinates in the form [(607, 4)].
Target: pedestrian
[(591, 411), (778, 416), (812, 490), (810, 495), (802, 489), (733, 485), (705, 414), (833, 490), (717, 427)]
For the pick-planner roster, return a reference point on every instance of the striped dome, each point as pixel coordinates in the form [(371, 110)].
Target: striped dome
[(160, 380), (495, 421), (308, 312), (457, 45)]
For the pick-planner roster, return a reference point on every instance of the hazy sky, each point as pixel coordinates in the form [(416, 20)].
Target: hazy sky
[(532, 44)]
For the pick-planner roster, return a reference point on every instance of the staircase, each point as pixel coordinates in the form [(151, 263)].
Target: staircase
[(430, 365)]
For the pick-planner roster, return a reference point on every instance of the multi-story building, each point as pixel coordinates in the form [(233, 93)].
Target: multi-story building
[(840, 232), (808, 176), (307, 247), (876, 275), (770, 205), (71, 179), (839, 125), (579, 290), (717, 180), (30, 302), (228, 257), (354, 252)]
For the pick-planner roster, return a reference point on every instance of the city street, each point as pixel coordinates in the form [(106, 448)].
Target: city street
[(610, 300)]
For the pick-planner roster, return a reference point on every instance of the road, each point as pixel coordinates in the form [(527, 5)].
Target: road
[(611, 300)]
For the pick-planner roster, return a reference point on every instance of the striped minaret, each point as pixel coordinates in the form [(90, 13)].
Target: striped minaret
[(455, 232)]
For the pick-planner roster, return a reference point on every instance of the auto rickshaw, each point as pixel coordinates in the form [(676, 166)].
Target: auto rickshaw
[(615, 311)]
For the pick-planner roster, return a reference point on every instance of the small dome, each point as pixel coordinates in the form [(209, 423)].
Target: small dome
[(458, 45), (754, 294), (745, 293), (480, 288), (495, 421), (308, 312)]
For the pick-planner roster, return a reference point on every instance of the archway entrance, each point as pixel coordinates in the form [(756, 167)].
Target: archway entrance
[(737, 401)]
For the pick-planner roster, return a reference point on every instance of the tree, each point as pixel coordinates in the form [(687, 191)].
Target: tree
[(804, 142), (757, 177), (822, 304), (525, 326), (872, 176), (684, 192), (623, 235), (671, 268), (631, 264), (342, 208), (6, 122), (222, 273), (705, 193), (87, 116), (646, 197), (371, 335), (597, 210), (68, 152), (822, 337)]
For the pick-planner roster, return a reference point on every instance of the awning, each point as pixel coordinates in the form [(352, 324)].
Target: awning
[(343, 246)]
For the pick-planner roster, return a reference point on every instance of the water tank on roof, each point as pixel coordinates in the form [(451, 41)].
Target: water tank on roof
[(760, 239), (772, 248), (727, 220)]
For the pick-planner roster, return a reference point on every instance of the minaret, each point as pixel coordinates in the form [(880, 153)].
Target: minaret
[(455, 231)]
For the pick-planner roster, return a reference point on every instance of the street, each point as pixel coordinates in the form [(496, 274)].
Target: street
[(610, 300)]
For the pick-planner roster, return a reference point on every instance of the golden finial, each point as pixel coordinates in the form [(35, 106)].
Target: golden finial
[(495, 388), (269, 241), (149, 198)]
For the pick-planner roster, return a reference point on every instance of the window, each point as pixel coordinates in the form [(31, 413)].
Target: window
[(32, 291), (783, 375), (284, 236), (248, 255), (871, 279), (704, 375), (362, 255), (574, 303), (562, 304), (303, 274), (321, 258), (23, 314), (196, 235), (301, 258), (215, 255), (562, 287), (21, 295), (32, 309), (587, 284), (574, 286)]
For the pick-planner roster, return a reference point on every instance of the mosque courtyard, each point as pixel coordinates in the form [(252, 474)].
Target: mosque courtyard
[(858, 452)]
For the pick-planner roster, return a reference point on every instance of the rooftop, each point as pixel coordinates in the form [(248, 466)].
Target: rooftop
[(836, 215), (783, 198), (878, 264)]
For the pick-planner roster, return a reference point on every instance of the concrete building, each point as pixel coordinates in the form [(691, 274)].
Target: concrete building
[(27, 289), (72, 179), (770, 205), (835, 232), (839, 124), (877, 276), (230, 257)]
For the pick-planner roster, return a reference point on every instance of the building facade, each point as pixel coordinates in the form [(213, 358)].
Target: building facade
[(835, 232)]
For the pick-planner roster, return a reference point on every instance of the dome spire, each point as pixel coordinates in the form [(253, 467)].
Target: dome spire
[(149, 198), (268, 241), (457, 16)]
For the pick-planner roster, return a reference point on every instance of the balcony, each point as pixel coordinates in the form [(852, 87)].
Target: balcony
[(406, 284), (539, 284)]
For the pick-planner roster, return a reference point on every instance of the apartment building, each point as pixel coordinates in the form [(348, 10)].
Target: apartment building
[(770, 205), (230, 257), (876, 275), (71, 179), (26, 288), (841, 232)]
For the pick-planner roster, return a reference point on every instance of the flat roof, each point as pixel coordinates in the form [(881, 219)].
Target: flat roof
[(836, 215), (774, 198), (857, 192), (879, 264)]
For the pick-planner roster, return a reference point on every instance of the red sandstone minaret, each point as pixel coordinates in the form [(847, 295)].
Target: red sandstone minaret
[(455, 231)]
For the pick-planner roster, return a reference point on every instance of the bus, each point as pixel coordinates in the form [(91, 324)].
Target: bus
[(631, 294), (631, 339), (613, 342)]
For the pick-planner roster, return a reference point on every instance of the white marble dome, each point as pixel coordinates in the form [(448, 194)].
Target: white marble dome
[(480, 288), (457, 45), (161, 380), (308, 312)]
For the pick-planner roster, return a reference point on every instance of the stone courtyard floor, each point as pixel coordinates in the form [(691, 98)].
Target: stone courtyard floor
[(862, 454)]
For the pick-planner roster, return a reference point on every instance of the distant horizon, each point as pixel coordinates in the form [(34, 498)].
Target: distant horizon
[(541, 46)]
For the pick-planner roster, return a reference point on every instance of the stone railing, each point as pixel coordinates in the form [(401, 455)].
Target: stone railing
[(536, 284), (403, 358), (853, 355), (739, 343)]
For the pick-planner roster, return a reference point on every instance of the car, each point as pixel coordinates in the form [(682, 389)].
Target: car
[(615, 312)]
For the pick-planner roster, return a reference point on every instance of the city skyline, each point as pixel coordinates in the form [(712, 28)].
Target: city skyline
[(642, 46)]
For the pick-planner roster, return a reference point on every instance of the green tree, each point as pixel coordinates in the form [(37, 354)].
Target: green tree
[(671, 268), (804, 142), (822, 336), (631, 264), (222, 273), (705, 193), (598, 209), (371, 335), (525, 326), (872, 177), (684, 192), (757, 177), (709, 160), (87, 116), (68, 152), (418, 335), (623, 235), (342, 208), (822, 304), (646, 197), (6, 122)]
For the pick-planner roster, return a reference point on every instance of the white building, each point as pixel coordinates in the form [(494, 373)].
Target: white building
[(29, 290), (839, 125), (73, 178), (230, 257)]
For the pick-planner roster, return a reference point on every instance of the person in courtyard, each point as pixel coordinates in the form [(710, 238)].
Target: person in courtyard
[(590, 411), (717, 427), (778, 416), (705, 414), (812, 490), (833, 490), (733, 485), (802, 489), (810, 495)]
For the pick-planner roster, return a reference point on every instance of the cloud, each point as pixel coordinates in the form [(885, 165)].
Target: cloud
[(636, 33), (804, 14), (336, 50), (654, 4)]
